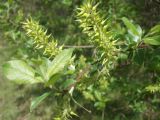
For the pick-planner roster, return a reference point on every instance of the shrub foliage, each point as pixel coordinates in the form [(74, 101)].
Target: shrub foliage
[(102, 63)]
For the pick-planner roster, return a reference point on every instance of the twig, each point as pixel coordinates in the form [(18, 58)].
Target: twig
[(85, 46), (89, 111)]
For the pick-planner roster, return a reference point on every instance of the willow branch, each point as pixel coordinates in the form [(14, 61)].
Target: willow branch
[(85, 46)]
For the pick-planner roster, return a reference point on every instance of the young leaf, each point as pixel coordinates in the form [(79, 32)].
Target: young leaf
[(131, 26), (59, 62), (19, 72), (38, 100)]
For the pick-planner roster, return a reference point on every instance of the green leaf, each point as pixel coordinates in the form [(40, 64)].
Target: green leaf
[(98, 95), (38, 100), (155, 40), (53, 79), (67, 2), (43, 68), (154, 30), (67, 83), (88, 95), (100, 105), (19, 72), (59, 62), (133, 29)]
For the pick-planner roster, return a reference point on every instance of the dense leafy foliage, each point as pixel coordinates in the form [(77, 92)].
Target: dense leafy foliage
[(102, 63)]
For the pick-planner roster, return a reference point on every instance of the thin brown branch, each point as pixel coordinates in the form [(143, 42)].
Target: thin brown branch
[(85, 46)]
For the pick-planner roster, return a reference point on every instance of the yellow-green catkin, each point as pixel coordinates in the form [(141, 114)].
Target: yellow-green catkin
[(99, 33), (40, 37)]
